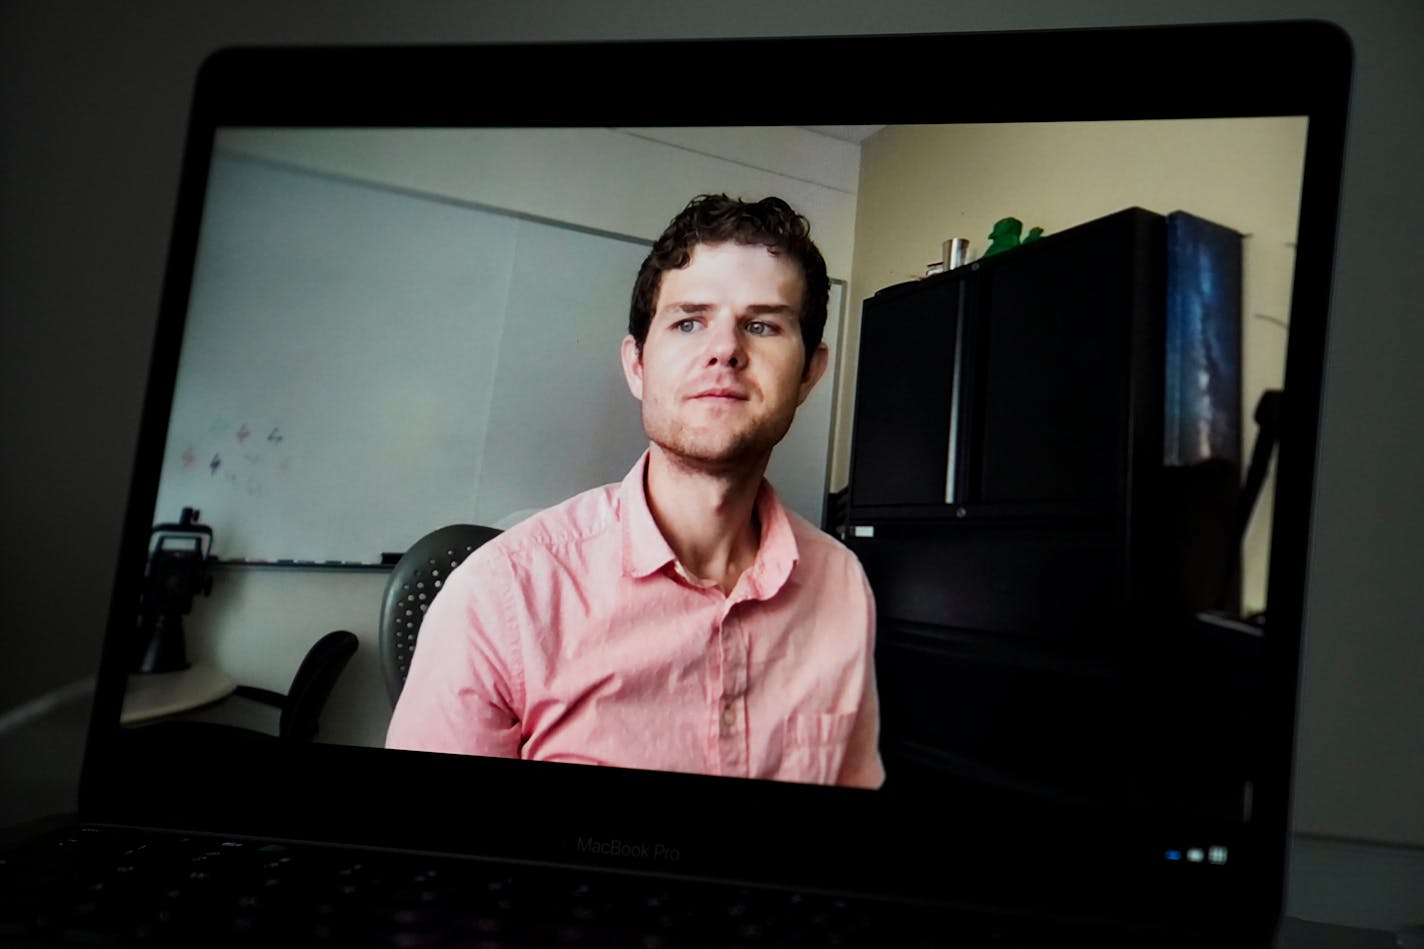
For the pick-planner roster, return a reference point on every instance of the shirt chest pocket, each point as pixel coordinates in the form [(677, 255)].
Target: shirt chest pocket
[(813, 746)]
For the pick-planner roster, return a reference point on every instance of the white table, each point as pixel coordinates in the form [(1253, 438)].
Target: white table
[(153, 695)]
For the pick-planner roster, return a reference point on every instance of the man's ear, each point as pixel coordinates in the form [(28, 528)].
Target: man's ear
[(632, 366), (815, 369)]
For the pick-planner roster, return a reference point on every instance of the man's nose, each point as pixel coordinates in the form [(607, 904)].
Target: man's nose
[(725, 344)]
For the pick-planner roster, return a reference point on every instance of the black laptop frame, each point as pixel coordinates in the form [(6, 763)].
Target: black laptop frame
[(837, 839)]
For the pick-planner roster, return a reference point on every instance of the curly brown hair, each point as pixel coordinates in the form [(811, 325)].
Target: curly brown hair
[(716, 219)]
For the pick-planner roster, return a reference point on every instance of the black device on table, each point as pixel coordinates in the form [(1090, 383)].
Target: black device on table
[(355, 844), (177, 572)]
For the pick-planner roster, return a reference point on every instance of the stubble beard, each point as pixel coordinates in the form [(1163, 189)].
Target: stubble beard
[(711, 449)]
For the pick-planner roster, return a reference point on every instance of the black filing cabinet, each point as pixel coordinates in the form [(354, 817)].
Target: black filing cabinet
[(1023, 538)]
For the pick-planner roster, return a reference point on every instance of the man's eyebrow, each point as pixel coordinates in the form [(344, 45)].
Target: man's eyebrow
[(689, 308)]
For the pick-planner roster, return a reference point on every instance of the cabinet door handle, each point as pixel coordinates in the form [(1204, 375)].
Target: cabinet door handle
[(951, 467)]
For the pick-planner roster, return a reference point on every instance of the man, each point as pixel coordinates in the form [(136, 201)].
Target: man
[(683, 620)]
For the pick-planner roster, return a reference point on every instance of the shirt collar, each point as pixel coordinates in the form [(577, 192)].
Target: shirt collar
[(777, 555), (646, 551)]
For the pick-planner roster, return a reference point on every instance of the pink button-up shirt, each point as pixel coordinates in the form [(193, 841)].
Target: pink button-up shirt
[(576, 636)]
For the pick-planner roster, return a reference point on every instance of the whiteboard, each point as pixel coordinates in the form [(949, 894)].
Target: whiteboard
[(362, 365)]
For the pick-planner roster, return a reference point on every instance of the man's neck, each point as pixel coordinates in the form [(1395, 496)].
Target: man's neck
[(708, 518)]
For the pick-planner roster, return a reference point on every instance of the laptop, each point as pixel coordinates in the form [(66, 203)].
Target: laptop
[(397, 285)]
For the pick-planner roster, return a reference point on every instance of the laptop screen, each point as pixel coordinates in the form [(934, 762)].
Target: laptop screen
[(395, 330), (392, 327)]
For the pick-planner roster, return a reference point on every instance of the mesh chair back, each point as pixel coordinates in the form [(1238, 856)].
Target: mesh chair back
[(417, 577)]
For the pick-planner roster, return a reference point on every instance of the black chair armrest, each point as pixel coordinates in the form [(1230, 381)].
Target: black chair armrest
[(265, 696)]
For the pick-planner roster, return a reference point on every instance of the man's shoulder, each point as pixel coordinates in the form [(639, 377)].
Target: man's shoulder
[(815, 546), (582, 518), (830, 573)]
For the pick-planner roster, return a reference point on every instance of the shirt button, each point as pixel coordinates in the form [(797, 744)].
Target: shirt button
[(729, 716)]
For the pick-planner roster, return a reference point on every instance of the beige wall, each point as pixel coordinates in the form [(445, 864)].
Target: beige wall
[(922, 184)]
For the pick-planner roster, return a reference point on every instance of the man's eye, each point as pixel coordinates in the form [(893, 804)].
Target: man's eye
[(685, 326), (758, 328)]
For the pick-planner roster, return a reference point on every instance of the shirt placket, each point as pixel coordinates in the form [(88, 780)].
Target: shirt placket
[(732, 737)]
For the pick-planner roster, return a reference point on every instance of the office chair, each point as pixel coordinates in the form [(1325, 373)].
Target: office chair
[(300, 707), (417, 577), (311, 686)]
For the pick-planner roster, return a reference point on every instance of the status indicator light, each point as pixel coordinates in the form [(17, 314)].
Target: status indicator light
[(1216, 855), (1195, 855), (1174, 855)]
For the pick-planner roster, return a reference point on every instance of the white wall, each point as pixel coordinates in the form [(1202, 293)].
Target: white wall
[(627, 182), (645, 176)]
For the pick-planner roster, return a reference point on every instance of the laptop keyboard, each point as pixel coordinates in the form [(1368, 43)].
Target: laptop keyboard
[(97, 886)]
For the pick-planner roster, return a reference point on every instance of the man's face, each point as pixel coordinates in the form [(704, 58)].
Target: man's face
[(721, 371)]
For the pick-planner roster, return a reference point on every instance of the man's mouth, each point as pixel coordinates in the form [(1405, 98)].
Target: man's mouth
[(729, 395)]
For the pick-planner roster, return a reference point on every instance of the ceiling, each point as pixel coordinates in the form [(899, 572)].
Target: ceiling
[(846, 133)]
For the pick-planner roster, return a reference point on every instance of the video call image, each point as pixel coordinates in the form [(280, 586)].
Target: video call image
[(882, 457)]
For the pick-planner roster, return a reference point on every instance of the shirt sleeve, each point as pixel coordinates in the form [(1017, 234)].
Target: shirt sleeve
[(464, 689), (862, 766)]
